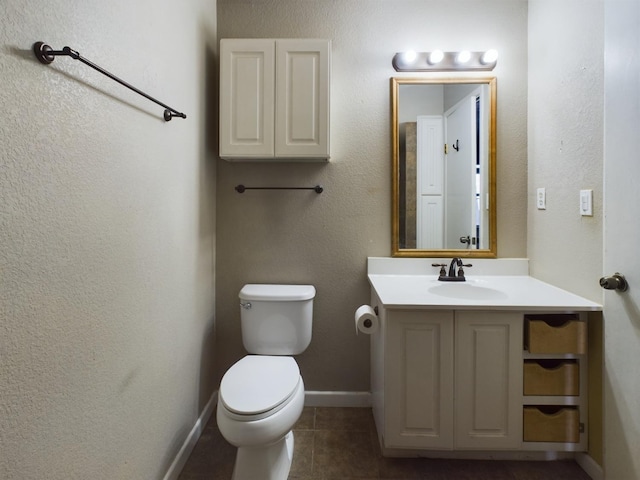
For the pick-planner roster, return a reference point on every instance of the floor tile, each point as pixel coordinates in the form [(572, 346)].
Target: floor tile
[(306, 420), (351, 419), (343, 453), (302, 464)]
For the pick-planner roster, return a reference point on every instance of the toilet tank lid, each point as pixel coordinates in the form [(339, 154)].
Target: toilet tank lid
[(277, 293)]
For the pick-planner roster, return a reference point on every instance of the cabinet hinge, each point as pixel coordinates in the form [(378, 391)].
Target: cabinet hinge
[(581, 427), (446, 149)]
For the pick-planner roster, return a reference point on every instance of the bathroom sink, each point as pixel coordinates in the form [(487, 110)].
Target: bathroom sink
[(466, 291)]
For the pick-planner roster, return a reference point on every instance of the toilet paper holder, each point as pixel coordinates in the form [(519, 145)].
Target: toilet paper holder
[(368, 322)]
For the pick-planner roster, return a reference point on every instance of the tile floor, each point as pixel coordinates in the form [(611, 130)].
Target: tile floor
[(341, 444)]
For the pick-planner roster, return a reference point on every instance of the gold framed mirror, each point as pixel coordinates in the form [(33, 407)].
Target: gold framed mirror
[(444, 167)]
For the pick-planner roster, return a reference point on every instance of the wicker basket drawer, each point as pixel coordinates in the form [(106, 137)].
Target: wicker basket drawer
[(556, 334), (552, 425), (551, 377)]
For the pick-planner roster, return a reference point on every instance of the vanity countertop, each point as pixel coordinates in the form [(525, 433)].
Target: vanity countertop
[(489, 292)]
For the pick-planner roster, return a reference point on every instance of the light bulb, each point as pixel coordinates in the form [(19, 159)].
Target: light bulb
[(409, 56), (436, 57), (489, 56), (463, 57)]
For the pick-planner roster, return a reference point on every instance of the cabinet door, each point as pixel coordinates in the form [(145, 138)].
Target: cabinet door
[(302, 98), (419, 380), (488, 386), (247, 92)]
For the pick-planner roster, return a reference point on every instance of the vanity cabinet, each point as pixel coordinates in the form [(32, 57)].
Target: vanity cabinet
[(452, 380), (495, 367), (274, 99)]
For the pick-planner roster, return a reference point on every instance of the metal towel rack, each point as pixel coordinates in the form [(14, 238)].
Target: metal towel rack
[(46, 55), (242, 188)]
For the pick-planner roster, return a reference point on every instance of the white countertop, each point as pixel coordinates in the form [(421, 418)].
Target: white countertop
[(403, 288)]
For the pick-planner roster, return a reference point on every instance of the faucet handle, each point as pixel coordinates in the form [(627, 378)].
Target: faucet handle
[(442, 266), (461, 271)]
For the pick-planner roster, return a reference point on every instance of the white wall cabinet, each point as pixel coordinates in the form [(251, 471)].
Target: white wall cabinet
[(451, 380), (274, 99)]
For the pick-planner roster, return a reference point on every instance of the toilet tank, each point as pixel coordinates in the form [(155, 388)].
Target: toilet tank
[(276, 319)]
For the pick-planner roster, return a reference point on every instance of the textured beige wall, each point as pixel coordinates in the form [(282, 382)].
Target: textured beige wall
[(566, 142), (298, 237), (106, 237)]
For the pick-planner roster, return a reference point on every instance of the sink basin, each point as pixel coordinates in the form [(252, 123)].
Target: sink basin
[(466, 291)]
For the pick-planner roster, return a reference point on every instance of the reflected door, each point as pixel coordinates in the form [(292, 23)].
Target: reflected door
[(460, 174)]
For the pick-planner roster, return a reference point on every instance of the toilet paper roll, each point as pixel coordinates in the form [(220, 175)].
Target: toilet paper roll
[(366, 320)]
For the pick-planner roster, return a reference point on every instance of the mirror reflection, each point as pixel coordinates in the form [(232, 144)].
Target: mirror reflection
[(443, 167)]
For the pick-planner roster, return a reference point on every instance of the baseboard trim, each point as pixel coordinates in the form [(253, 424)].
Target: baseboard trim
[(190, 442), (590, 466), (337, 399)]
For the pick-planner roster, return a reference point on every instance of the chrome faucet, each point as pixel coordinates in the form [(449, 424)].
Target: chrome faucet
[(452, 276)]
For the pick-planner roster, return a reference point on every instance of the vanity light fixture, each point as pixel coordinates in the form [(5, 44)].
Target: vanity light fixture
[(439, 61)]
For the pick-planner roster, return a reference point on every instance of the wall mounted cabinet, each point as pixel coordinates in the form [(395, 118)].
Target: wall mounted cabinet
[(274, 99)]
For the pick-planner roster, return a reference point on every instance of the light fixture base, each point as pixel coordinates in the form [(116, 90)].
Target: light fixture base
[(449, 62)]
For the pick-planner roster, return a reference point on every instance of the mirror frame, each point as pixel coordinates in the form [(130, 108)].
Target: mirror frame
[(396, 251)]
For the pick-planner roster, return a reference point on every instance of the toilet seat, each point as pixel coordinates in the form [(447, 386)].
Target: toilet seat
[(257, 386)]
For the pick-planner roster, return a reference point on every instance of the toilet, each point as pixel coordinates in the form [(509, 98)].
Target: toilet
[(262, 395)]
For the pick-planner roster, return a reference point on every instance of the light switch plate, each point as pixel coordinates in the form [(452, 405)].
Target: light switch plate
[(541, 199), (586, 203)]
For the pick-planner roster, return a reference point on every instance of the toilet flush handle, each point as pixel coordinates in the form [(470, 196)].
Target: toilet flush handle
[(246, 305)]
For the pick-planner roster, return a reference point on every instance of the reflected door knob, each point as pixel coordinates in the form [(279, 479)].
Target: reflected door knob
[(614, 282)]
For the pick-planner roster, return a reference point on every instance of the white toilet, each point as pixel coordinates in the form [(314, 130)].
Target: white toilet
[(261, 396)]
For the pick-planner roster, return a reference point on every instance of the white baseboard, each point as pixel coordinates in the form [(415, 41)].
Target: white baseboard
[(590, 466), (190, 442), (337, 399)]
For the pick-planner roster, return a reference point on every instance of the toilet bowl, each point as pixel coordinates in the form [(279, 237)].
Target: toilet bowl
[(261, 396), (260, 400)]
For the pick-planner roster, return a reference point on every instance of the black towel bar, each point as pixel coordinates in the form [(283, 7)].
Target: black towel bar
[(242, 188), (46, 55)]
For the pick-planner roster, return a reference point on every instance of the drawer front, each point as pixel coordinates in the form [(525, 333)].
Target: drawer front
[(556, 334), (561, 425), (554, 377)]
